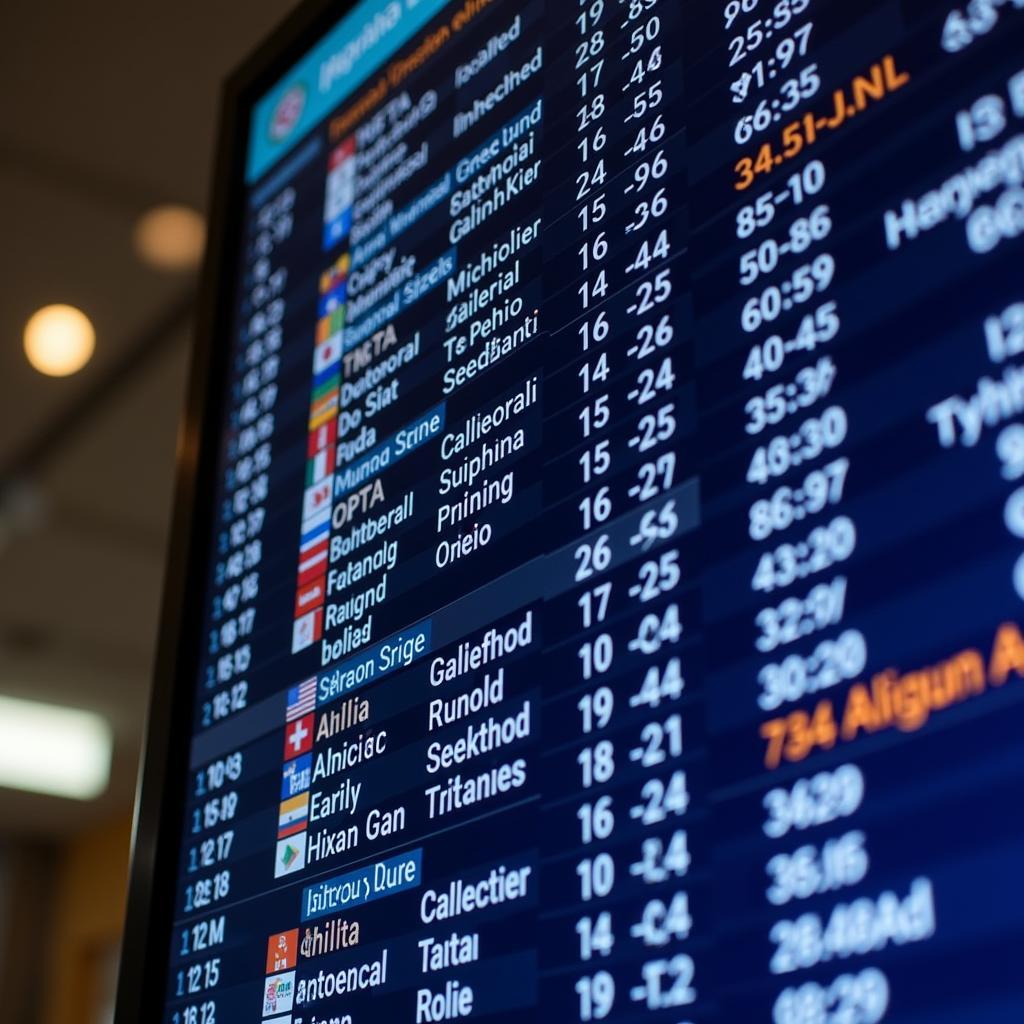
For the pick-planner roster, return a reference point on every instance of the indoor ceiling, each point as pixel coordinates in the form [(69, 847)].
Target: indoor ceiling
[(111, 108)]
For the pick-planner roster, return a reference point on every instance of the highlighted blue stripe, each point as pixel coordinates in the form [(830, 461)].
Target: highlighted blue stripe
[(412, 436), (364, 885), (393, 653), (401, 298), (430, 197)]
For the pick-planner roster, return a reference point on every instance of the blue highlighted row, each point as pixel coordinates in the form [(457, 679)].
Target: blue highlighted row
[(391, 654), (403, 442), (364, 885)]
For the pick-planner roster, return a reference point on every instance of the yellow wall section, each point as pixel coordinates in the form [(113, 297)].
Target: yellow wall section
[(91, 882)]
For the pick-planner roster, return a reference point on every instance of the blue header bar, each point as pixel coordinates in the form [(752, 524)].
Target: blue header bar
[(332, 70)]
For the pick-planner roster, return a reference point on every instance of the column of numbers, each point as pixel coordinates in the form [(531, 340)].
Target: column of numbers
[(635, 797), (249, 453)]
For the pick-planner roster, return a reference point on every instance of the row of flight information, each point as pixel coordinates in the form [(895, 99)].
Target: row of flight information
[(614, 605)]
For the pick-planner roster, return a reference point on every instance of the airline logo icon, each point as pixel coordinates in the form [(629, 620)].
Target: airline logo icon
[(329, 325), (327, 354), (313, 563), (338, 228), (332, 300), (279, 993), (314, 538), (340, 194), (336, 274), (298, 737), (323, 437), (287, 113), (323, 390), (318, 467), (322, 518), (301, 699), (291, 857), (317, 500), (296, 776), (324, 408), (293, 816), (311, 595), (282, 950), (307, 629), (313, 555), (324, 403)]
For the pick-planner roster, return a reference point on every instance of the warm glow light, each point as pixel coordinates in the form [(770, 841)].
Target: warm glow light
[(59, 340), (170, 237), (49, 749)]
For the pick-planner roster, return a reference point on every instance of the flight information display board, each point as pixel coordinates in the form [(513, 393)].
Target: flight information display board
[(612, 605)]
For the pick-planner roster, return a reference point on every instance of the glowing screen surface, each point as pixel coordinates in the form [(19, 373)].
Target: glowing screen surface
[(613, 612)]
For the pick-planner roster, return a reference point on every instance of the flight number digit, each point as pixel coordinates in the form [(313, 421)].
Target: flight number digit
[(198, 977), (759, 214), (202, 935), (818, 800), (861, 998)]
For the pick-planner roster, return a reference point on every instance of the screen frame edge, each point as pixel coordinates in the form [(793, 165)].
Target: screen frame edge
[(159, 804)]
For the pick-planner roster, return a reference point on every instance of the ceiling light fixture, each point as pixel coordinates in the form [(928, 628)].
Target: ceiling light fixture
[(59, 340), (170, 237), (45, 748)]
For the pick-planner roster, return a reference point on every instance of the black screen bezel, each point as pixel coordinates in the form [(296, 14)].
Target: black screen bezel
[(160, 797)]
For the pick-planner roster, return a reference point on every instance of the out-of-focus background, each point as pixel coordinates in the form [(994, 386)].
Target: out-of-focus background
[(110, 111)]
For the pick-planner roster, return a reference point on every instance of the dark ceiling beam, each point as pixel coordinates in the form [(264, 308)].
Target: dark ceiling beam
[(124, 195)]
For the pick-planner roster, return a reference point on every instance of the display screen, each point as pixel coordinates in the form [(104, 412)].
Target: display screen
[(613, 606)]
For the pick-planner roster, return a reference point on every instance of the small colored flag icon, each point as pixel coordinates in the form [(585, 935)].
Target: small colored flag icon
[(327, 354), (340, 192), (296, 776), (336, 274), (282, 950), (298, 737), (316, 500), (313, 537), (279, 992), (307, 630), (324, 408), (313, 563), (319, 466), (301, 699), (291, 856), (293, 815), (310, 595), (332, 300), (323, 437), (329, 325)]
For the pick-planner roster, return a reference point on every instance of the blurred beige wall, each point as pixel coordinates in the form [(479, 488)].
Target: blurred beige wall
[(90, 881), (27, 872)]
